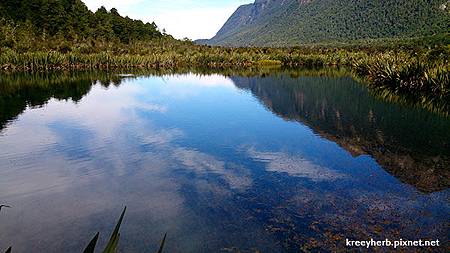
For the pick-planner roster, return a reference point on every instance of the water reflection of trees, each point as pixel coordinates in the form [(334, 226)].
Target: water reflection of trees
[(19, 91), (411, 144)]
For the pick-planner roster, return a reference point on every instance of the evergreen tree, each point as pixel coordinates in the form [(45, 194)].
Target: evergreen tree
[(72, 20)]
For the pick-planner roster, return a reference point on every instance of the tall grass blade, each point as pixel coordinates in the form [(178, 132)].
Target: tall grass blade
[(114, 240), (161, 247), (114, 244), (4, 206), (91, 246)]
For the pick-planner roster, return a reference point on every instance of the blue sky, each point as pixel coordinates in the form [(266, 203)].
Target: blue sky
[(194, 19)]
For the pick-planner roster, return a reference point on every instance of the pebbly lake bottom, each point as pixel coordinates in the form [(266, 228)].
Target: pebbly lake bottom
[(221, 163)]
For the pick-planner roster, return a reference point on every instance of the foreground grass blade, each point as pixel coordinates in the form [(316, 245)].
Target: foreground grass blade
[(114, 240), (114, 244), (91, 246), (161, 247), (111, 247), (4, 206)]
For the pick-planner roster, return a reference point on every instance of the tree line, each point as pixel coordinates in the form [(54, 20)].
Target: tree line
[(68, 20)]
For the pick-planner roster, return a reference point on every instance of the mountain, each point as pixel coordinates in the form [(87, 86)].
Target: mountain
[(293, 22), (72, 20)]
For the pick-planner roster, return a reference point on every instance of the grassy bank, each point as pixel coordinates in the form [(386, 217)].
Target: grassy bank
[(413, 70)]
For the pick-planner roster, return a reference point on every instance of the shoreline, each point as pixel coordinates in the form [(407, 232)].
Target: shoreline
[(434, 104)]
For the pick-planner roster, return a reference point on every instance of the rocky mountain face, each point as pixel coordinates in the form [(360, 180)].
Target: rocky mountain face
[(250, 14), (293, 22)]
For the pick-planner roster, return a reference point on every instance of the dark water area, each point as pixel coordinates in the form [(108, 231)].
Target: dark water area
[(276, 162)]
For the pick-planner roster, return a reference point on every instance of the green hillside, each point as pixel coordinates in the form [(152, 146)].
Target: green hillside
[(67, 20), (293, 22)]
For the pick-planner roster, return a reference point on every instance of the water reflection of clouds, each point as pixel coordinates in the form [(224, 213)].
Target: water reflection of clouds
[(183, 87), (102, 136), (201, 163), (49, 153), (92, 152), (202, 81), (161, 136), (107, 122), (294, 165), (81, 162), (103, 110)]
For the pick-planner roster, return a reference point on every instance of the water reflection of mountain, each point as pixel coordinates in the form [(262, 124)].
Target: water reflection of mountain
[(411, 144)]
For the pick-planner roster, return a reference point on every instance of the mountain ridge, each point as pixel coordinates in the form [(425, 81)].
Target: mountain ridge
[(294, 22)]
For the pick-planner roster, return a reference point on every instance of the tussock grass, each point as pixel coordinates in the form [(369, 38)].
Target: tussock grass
[(421, 72)]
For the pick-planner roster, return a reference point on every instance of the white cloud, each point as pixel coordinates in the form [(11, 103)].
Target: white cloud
[(201, 23), (95, 4)]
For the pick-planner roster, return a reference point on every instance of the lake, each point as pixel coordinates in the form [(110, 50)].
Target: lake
[(286, 161)]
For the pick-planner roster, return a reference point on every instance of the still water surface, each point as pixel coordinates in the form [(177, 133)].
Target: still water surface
[(275, 163)]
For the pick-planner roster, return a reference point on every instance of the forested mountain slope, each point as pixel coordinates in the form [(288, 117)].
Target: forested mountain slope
[(72, 20), (293, 22)]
